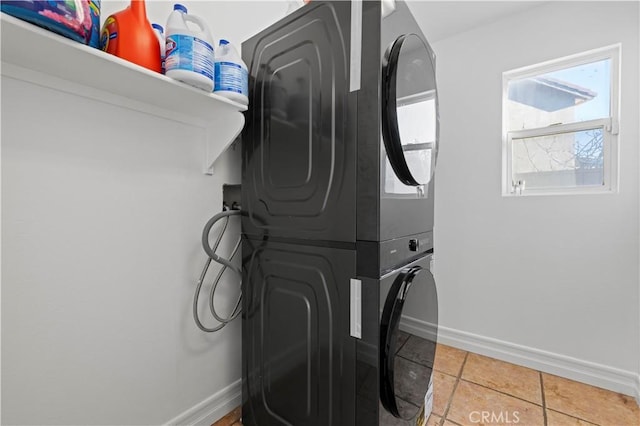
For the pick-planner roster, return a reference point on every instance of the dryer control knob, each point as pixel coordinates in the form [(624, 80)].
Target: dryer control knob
[(413, 244)]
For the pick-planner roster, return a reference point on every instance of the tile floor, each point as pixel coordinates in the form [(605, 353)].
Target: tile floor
[(471, 389)]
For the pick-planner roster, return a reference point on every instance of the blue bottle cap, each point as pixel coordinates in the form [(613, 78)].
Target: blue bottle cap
[(223, 42), (179, 7), (158, 27)]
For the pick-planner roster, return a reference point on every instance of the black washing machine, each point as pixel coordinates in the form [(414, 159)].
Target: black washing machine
[(339, 150)]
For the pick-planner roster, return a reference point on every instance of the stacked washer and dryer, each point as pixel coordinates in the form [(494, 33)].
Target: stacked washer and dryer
[(340, 308)]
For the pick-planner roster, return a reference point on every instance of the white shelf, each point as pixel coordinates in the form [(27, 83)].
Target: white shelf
[(39, 56)]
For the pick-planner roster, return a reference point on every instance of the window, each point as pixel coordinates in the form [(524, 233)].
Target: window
[(560, 125)]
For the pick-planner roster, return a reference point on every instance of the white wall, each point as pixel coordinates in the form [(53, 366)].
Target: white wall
[(102, 210), (539, 280)]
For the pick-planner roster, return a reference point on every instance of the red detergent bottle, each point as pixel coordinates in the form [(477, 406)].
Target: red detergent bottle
[(128, 35)]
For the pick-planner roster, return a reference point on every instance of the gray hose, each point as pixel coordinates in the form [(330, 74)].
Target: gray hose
[(238, 308), (226, 263), (205, 239)]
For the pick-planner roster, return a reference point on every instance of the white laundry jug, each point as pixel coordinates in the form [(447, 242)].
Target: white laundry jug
[(231, 74), (189, 52)]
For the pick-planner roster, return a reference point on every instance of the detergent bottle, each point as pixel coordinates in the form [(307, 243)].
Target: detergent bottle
[(78, 20), (159, 31), (231, 74), (94, 12), (128, 35), (189, 51)]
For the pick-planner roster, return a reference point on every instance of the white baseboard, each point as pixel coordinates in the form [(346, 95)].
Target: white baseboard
[(603, 376), (211, 409)]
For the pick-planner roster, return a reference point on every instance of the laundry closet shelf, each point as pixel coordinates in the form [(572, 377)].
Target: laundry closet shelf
[(36, 55)]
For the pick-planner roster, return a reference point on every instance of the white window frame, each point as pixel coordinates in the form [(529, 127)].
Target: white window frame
[(610, 125)]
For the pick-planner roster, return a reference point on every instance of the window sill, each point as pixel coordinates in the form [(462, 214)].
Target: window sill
[(539, 193)]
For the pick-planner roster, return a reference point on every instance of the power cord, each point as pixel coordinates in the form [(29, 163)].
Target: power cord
[(226, 264)]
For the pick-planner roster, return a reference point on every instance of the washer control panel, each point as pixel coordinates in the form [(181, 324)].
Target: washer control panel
[(400, 250)]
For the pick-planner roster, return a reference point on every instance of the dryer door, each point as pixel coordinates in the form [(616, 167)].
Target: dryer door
[(410, 109), (406, 360)]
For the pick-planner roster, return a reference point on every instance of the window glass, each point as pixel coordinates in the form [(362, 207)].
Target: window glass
[(562, 160), (574, 94)]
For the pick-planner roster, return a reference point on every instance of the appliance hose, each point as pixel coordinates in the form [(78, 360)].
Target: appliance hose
[(226, 264)]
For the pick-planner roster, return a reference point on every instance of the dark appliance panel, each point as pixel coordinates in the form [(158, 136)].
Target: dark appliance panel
[(298, 154), (298, 356)]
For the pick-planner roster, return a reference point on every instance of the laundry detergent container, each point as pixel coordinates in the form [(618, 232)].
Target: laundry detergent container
[(78, 20)]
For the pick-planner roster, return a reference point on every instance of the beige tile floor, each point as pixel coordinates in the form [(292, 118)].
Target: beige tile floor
[(471, 389)]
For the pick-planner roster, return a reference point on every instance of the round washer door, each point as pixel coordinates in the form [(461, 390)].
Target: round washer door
[(406, 360), (410, 109)]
